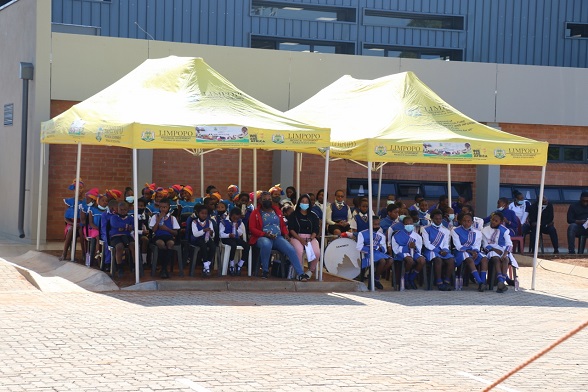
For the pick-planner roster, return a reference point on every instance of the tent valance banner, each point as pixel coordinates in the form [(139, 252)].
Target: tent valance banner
[(179, 102), (398, 118)]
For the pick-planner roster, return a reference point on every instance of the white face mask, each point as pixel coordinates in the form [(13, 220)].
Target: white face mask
[(101, 208), (388, 202), (90, 204)]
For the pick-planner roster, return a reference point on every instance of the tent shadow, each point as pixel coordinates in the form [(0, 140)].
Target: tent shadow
[(232, 298), (471, 297)]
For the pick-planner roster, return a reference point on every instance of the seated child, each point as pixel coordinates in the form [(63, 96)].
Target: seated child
[(391, 217), (231, 233), (338, 214), (221, 211), (111, 208), (121, 226), (468, 241), (360, 220), (436, 239), (498, 246), (382, 261), (449, 218), (478, 222), (95, 212), (203, 237), (244, 204), (423, 212), (406, 245), (165, 229)]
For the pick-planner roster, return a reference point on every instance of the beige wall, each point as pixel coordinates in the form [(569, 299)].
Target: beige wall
[(24, 37), (485, 92)]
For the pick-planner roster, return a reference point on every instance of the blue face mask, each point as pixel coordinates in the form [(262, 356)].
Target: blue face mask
[(401, 218), (451, 217), (304, 206), (130, 199), (520, 202), (409, 228)]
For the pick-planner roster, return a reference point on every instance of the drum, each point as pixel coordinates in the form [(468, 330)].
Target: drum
[(342, 258)]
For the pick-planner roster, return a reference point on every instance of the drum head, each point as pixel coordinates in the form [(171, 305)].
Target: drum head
[(342, 258)]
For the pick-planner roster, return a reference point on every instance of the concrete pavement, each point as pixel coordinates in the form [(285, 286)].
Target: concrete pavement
[(240, 341)]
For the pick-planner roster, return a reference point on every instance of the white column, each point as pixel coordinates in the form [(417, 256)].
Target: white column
[(449, 184), (370, 228), (201, 174), (254, 196), (379, 190), (40, 197), (136, 215)]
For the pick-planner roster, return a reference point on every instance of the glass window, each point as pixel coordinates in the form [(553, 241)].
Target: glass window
[(293, 47), (576, 30), (571, 154), (414, 52), (571, 194), (506, 191), (553, 153), (397, 19), (434, 191), (530, 193), (408, 191), (552, 194), (302, 12)]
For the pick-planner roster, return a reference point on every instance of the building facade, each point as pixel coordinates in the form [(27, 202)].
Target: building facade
[(530, 32), (79, 47)]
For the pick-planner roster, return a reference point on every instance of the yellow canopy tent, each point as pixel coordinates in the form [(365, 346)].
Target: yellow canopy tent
[(178, 103), (398, 118)]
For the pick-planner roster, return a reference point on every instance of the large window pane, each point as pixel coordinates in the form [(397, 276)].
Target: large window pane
[(506, 191), (553, 153), (434, 191), (552, 194), (302, 12), (571, 195), (396, 19), (574, 154)]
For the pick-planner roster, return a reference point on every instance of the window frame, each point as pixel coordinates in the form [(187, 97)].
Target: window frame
[(414, 16)]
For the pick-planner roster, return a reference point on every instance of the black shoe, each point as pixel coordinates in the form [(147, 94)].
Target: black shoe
[(164, 275), (556, 251), (501, 287), (238, 271), (302, 278), (378, 285), (481, 287), (206, 273), (411, 284), (510, 282), (572, 252), (442, 287), (265, 275), (232, 271)]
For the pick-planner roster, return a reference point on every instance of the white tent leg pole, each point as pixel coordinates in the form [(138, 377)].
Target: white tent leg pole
[(40, 199), (202, 175), (298, 171), (136, 215), (379, 191), (76, 207), (254, 196), (370, 228), (324, 221), (449, 184), (538, 227), (240, 168)]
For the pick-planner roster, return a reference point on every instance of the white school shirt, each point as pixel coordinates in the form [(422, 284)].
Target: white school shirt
[(397, 249), (199, 233), (238, 232)]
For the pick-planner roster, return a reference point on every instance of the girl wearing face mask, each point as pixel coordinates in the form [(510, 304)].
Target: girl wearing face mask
[(304, 228), (406, 246), (449, 220)]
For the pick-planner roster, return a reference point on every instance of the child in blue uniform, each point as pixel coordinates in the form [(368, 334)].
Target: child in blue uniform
[(468, 242), (338, 214), (165, 229), (436, 238), (382, 261), (406, 245), (498, 246), (121, 226), (203, 234), (231, 232), (360, 221)]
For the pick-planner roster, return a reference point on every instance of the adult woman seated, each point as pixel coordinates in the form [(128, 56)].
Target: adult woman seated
[(268, 232), (304, 228)]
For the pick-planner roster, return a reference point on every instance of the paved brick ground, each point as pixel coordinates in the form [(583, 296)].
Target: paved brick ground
[(195, 341)]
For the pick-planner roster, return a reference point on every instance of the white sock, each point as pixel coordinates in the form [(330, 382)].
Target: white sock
[(207, 265), (232, 263), (144, 256), (241, 262)]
